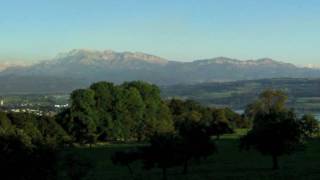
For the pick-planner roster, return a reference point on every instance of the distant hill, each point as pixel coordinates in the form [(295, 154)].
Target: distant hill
[(38, 85), (6, 65), (82, 67), (304, 94)]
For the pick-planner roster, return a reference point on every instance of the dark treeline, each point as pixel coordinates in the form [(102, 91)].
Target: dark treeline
[(29, 145), (175, 132)]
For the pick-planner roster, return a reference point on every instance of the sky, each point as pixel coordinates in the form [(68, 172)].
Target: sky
[(183, 30)]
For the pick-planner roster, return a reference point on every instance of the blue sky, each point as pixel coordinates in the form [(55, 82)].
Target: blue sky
[(286, 30)]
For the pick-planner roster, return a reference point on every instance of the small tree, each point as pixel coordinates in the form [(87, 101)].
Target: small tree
[(125, 158), (276, 131), (196, 143), (195, 127), (309, 125), (218, 124), (163, 152)]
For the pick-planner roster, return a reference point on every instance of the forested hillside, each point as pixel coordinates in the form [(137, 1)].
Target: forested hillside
[(304, 94)]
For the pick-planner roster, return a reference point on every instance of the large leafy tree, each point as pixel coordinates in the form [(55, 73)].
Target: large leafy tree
[(52, 132), (82, 121), (135, 112), (28, 123), (276, 130), (156, 114), (123, 121), (104, 93)]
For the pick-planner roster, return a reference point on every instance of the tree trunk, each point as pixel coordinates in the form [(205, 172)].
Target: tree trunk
[(275, 162), (185, 167), (139, 137), (164, 174), (130, 170), (218, 136)]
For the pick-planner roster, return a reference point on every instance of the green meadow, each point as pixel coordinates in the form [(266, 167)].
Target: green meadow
[(228, 163)]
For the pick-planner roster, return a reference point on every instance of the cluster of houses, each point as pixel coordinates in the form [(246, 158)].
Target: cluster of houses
[(32, 108)]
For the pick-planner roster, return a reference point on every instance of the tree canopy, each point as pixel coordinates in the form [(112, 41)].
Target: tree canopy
[(276, 130), (130, 111)]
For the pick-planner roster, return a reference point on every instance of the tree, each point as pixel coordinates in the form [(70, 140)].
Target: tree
[(51, 131), (131, 111), (82, 120), (167, 150), (276, 130), (176, 107), (4, 121), (29, 146), (219, 124), (196, 138), (23, 158), (268, 99), (126, 158), (192, 140), (156, 115), (163, 152), (196, 143), (28, 123), (136, 110), (216, 120), (104, 93), (309, 125), (236, 120)]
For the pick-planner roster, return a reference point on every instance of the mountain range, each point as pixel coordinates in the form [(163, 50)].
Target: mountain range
[(80, 67)]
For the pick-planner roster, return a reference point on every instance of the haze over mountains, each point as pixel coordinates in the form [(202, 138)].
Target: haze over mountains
[(79, 68)]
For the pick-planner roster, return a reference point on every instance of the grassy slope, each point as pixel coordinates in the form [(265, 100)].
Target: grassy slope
[(228, 163)]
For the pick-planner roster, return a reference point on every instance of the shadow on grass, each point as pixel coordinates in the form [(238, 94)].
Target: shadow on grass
[(228, 163)]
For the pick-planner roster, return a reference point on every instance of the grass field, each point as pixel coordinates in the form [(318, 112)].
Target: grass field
[(229, 163)]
